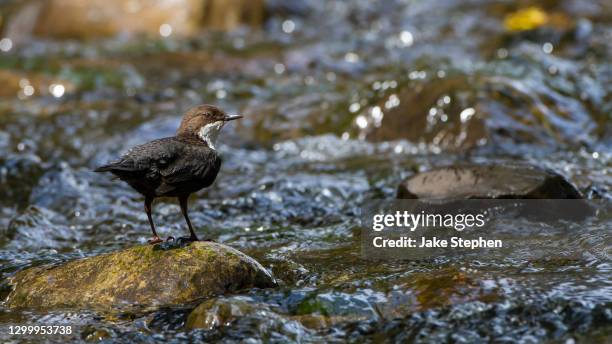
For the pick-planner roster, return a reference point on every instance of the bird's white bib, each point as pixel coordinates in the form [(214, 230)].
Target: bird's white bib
[(210, 132)]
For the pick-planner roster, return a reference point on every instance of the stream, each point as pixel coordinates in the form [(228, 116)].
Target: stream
[(342, 101)]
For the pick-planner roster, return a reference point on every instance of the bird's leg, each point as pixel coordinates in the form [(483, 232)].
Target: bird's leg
[(147, 208), (183, 203)]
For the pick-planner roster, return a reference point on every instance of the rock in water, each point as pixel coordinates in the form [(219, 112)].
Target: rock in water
[(87, 19), (487, 181), (142, 275), (216, 312), (402, 114)]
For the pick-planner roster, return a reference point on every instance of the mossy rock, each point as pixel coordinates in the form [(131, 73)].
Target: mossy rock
[(141, 276)]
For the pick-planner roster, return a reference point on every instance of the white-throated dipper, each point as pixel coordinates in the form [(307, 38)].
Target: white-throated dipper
[(175, 166)]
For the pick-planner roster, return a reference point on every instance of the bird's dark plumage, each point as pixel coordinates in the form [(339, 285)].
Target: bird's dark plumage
[(168, 167), (175, 166)]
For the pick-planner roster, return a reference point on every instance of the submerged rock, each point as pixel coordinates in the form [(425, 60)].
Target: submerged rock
[(464, 112), (314, 312), (487, 181), (141, 275), (216, 312), (445, 112)]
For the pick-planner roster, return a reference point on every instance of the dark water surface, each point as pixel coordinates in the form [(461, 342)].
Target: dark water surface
[(341, 102)]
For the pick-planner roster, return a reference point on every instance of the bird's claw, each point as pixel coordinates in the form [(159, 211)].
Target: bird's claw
[(155, 240), (186, 239), (172, 242)]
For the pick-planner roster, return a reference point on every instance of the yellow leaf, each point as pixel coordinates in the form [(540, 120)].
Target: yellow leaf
[(525, 19)]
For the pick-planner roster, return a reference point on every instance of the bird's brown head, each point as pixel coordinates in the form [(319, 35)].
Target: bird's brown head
[(204, 121)]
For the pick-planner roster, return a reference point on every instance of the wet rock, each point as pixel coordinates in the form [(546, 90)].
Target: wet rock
[(315, 312), (140, 276), (244, 312), (443, 112), (487, 181), (214, 313), (90, 333), (358, 305), (461, 112), (448, 286), (103, 18)]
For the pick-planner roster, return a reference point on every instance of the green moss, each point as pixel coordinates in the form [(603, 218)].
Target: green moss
[(141, 275), (310, 306)]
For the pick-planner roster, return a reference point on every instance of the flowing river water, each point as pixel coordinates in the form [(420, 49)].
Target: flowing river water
[(342, 100)]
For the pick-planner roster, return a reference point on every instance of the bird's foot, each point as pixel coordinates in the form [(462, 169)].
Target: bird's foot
[(155, 240), (186, 239), (208, 240), (172, 242)]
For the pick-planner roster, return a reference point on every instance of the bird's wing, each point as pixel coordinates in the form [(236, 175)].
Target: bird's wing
[(196, 163), (148, 158)]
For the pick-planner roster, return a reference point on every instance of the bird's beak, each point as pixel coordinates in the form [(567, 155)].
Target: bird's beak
[(232, 117)]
